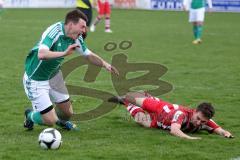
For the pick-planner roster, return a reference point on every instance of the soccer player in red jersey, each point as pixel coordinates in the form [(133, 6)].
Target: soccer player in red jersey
[(104, 10), (153, 112)]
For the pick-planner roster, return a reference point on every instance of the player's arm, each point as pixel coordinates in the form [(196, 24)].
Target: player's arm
[(49, 37), (176, 124), (222, 132), (176, 131), (44, 53), (213, 127), (98, 61), (93, 58)]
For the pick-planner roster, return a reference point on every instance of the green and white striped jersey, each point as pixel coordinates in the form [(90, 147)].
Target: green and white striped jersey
[(54, 39), (196, 4)]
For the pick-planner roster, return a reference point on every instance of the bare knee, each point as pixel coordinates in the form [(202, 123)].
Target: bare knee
[(50, 118), (143, 119), (50, 122)]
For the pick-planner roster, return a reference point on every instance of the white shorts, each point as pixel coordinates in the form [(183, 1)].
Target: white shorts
[(43, 93), (196, 15)]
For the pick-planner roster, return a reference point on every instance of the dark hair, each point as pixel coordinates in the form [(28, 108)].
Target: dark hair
[(74, 16), (206, 109)]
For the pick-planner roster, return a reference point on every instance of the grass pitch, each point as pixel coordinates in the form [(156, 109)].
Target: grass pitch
[(206, 72)]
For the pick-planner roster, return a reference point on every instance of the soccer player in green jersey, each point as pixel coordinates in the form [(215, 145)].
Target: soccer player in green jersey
[(196, 16), (43, 81)]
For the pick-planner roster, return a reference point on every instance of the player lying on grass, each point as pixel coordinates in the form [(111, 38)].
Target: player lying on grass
[(153, 112)]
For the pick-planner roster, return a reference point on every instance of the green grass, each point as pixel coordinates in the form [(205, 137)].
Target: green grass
[(207, 72)]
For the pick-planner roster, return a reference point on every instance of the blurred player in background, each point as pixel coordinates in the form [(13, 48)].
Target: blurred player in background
[(104, 10), (43, 81), (1, 3), (196, 16), (152, 112), (1, 7), (86, 7)]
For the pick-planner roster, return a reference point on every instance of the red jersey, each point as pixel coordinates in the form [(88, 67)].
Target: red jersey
[(163, 114)]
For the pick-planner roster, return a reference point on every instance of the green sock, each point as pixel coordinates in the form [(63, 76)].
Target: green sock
[(195, 31), (199, 31), (36, 117)]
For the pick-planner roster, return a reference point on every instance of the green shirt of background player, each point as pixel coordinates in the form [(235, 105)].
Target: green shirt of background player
[(196, 16), (43, 81)]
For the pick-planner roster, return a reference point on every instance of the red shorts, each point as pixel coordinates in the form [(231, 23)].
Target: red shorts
[(153, 107), (161, 111), (103, 7)]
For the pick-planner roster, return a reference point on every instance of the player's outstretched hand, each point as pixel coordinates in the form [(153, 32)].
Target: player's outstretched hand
[(111, 69), (228, 134), (70, 49)]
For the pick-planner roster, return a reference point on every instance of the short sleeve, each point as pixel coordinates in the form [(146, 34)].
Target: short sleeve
[(46, 43), (178, 117), (50, 36), (210, 126)]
